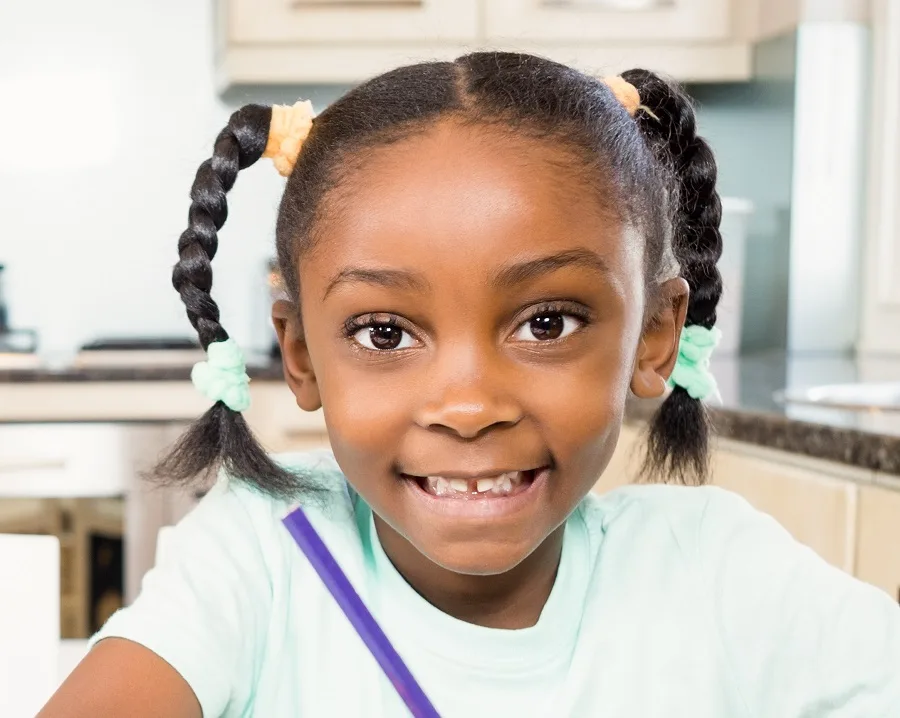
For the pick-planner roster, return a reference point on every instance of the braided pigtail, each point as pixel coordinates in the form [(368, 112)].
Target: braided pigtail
[(221, 438), (678, 441)]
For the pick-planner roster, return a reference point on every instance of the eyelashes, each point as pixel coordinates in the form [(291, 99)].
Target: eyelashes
[(379, 332), (545, 323)]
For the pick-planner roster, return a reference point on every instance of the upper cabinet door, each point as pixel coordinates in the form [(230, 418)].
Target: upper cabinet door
[(352, 21), (609, 20)]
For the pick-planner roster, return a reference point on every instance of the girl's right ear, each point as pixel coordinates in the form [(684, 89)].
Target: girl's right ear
[(298, 369)]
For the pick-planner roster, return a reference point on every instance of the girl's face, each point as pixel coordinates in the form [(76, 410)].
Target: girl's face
[(471, 323)]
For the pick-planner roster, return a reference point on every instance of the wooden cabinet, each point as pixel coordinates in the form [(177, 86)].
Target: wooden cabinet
[(614, 20), (279, 424), (878, 544), (345, 42)]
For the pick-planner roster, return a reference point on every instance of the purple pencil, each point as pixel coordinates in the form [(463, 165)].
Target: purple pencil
[(363, 621)]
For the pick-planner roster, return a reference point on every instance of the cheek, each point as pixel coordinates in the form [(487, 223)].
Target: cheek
[(362, 407), (580, 410), (592, 390), (366, 412)]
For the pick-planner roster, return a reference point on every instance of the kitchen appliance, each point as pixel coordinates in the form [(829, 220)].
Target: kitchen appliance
[(16, 345), (138, 352)]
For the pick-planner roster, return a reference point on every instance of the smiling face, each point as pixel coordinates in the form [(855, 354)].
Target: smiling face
[(472, 320)]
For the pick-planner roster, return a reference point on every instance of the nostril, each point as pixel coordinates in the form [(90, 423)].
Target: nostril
[(469, 420), (469, 430)]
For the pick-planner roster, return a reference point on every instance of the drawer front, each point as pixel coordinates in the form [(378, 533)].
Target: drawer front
[(878, 542), (74, 459), (585, 21)]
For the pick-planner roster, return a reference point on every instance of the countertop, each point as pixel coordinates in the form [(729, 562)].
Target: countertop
[(261, 368), (749, 411)]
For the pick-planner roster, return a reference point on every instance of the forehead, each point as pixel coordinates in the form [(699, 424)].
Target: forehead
[(458, 191)]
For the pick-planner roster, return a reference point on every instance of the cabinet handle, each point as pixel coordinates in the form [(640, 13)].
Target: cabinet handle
[(325, 4)]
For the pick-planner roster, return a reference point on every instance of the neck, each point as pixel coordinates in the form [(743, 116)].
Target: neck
[(510, 600)]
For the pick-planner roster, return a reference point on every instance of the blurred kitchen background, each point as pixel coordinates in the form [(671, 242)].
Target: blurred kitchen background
[(107, 108)]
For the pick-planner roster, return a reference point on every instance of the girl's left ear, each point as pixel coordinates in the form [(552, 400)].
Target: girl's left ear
[(298, 369), (658, 350)]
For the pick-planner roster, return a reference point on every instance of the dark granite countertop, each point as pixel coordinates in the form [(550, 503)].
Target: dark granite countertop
[(749, 412), (752, 413), (260, 368)]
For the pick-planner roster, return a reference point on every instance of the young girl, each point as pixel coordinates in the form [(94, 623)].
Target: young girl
[(484, 258)]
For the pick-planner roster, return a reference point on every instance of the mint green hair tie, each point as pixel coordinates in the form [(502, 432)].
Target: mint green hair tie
[(223, 376), (691, 370)]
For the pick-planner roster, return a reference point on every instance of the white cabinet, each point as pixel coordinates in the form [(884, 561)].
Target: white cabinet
[(336, 42), (593, 20), (345, 42), (377, 21), (71, 462)]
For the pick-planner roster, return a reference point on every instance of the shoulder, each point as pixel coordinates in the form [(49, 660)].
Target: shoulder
[(800, 636), (240, 526), (708, 526), (687, 513), (667, 499), (208, 604), (705, 530)]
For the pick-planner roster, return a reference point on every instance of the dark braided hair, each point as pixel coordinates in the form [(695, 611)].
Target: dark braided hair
[(652, 169), (220, 438), (677, 443)]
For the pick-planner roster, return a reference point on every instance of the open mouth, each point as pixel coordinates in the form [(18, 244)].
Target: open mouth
[(506, 484)]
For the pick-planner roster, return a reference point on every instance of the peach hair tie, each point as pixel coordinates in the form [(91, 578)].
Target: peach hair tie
[(627, 95), (288, 129)]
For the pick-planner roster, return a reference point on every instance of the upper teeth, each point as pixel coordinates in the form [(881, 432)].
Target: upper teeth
[(501, 484)]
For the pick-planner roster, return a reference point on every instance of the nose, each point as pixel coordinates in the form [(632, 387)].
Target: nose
[(471, 397)]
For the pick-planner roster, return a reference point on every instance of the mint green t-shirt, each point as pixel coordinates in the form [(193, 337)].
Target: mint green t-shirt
[(669, 602)]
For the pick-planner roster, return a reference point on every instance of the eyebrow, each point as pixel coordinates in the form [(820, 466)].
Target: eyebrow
[(379, 277), (508, 276), (532, 269)]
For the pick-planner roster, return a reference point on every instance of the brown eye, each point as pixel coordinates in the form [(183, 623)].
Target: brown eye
[(546, 327), (383, 337)]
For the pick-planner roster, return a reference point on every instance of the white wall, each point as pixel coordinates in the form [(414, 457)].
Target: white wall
[(881, 286), (106, 109)]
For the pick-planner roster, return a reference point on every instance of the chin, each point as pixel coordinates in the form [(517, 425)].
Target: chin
[(476, 557)]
